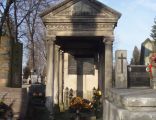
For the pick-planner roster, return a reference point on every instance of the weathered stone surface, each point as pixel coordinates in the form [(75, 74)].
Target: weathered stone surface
[(84, 17), (112, 112), (130, 104), (5, 58), (79, 19), (17, 65), (18, 98), (10, 63), (133, 97), (121, 69), (138, 76), (153, 81)]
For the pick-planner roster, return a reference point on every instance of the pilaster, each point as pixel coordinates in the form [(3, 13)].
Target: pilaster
[(108, 41), (50, 74), (56, 75), (60, 80)]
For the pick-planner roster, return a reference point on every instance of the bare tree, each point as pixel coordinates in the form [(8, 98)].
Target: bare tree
[(27, 26), (34, 32), (4, 10)]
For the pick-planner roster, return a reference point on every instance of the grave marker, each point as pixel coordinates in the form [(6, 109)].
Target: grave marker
[(121, 69)]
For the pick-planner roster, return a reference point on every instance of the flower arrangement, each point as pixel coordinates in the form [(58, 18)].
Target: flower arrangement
[(152, 59), (78, 103)]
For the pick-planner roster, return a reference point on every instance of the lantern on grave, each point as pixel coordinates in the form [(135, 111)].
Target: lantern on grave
[(152, 70)]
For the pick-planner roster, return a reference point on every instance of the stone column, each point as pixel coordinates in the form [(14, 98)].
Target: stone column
[(56, 74), (108, 41), (100, 72), (60, 81), (50, 74)]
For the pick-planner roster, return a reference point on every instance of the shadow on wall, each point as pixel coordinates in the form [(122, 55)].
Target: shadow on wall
[(83, 19), (6, 111)]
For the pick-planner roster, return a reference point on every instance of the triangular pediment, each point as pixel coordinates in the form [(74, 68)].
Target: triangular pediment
[(78, 8)]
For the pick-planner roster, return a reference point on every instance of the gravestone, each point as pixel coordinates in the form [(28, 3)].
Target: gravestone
[(5, 60), (17, 65), (81, 65), (11, 63), (138, 76), (121, 69), (152, 60)]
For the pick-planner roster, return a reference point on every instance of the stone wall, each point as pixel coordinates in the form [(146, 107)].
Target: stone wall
[(5, 57), (10, 63), (17, 98)]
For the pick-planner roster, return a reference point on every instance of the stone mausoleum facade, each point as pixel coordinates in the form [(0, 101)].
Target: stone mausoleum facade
[(80, 35)]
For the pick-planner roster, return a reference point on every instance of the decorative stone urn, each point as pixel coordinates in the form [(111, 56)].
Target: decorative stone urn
[(152, 59)]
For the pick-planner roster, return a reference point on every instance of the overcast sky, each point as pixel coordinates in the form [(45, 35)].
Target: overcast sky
[(135, 23)]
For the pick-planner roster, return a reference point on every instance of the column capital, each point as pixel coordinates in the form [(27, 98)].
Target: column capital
[(51, 40), (57, 47), (108, 40), (61, 52)]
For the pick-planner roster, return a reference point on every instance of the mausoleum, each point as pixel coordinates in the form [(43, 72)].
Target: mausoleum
[(80, 36)]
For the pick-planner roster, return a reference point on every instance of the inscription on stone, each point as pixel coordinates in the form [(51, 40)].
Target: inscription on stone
[(87, 65), (72, 65), (137, 76), (80, 65), (121, 69)]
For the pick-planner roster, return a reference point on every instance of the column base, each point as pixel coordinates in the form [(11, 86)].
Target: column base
[(61, 105), (48, 104), (56, 109)]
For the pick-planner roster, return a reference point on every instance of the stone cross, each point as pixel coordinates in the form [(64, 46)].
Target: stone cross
[(121, 69), (122, 58)]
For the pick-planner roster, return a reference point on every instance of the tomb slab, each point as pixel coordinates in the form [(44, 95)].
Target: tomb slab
[(130, 104)]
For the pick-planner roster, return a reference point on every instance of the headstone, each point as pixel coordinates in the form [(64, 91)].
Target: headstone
[(81, 65), (17, 65), (121, 69), (152, 60), (5, 61), (138, 76), (11, 63), (34, 78)]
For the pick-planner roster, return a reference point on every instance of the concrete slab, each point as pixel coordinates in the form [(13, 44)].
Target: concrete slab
[(133, 97), (112, 112)]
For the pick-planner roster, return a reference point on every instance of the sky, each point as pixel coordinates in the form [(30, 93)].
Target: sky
[(135, 24)]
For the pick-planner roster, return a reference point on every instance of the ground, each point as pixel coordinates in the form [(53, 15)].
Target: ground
[(43, 114)]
